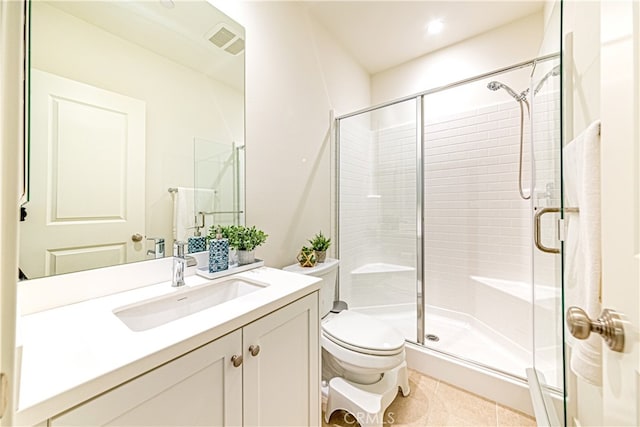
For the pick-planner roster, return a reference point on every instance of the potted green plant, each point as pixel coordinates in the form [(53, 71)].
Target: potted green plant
[(320, 244), (306, 257), (243, 239)]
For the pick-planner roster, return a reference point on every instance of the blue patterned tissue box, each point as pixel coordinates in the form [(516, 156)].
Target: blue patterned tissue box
[(218, 255), (196, 244)]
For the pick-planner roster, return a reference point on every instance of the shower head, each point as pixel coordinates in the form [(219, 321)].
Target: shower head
[(495, 85)]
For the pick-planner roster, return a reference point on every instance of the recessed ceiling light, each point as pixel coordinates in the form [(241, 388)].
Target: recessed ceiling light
[(169, 4), (435, 26)]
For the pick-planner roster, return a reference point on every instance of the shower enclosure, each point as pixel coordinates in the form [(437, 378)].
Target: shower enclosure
[(436, 199), (219, 182)]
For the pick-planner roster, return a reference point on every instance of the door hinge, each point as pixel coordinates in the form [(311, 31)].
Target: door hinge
[(4, 393)]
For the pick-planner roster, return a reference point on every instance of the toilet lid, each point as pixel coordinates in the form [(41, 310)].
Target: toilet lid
[(362, 333)]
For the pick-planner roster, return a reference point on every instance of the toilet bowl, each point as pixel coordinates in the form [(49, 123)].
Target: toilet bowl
[(363, 359), (361, 345)]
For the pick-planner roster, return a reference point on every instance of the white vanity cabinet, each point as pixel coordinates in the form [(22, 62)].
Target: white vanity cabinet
[(281, 381), (275, 383), (200, 388)]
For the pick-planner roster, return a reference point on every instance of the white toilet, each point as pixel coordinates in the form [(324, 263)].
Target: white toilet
[(363, 359)]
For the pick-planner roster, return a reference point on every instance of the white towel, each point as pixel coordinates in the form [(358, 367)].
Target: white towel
[(186, 204), (583, 254)]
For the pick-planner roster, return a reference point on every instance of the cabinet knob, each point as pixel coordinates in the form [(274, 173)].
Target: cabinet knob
[(236, 360), (254, 350)]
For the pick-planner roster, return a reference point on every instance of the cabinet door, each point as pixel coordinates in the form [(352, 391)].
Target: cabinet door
[(281, 383), (201, 388)]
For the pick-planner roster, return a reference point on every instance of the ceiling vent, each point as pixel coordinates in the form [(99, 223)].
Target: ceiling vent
[(236, 47), (225, 38)]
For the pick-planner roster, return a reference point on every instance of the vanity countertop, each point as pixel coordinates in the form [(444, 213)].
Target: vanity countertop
[(74, 352)]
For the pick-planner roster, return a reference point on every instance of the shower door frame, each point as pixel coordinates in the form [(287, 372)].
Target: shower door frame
[(420, 140)]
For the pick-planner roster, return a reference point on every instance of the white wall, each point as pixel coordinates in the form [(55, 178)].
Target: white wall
[(180, 103), (504, 46), (296, 73)]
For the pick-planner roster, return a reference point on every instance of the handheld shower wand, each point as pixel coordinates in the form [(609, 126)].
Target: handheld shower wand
[(521, 98), (495, 85), (555, 71)]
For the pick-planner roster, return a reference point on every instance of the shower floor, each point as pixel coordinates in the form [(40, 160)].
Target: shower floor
[(457, 336)]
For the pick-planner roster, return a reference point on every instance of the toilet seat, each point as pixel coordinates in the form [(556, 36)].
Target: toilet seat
[(363, 334), (358, 362)]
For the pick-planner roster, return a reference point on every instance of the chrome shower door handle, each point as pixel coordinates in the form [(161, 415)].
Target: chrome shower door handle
[(609, 325), (537, 238)]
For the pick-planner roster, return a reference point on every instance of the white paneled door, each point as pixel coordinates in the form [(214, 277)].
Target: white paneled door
[(620, 98), (87, 178), (616, 401)]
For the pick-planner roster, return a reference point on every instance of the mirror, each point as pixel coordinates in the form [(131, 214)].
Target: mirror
[(136, 124)]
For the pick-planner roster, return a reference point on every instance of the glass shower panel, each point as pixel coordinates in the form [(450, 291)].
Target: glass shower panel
[(378, 214), (477, 236), (219, 182), (547, 267)]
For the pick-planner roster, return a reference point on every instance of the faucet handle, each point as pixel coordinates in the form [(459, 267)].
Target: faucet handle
[(178, 248), (158, 243)]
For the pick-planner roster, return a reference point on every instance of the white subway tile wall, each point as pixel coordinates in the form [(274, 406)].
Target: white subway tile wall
[(356, 220), (475, 222)]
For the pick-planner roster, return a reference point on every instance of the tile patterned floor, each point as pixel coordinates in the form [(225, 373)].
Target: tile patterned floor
[(434, 403)]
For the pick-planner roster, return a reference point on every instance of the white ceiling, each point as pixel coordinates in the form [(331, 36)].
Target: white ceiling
[(383, 34)]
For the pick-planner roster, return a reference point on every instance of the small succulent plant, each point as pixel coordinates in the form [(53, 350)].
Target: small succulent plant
[(320, 242)]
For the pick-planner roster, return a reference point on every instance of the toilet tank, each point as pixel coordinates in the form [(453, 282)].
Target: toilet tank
[(328, 272)]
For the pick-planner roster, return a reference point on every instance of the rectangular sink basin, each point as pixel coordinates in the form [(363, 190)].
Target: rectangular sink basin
[(154, 312)]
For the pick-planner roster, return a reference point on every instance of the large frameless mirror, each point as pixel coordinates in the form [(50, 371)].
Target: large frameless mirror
[(126, 101)]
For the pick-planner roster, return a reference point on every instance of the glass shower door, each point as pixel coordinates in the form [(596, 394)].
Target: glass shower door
[(377, 222), (219, 182)]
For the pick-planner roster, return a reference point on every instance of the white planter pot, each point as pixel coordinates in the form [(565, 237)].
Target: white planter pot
[(245, 257)]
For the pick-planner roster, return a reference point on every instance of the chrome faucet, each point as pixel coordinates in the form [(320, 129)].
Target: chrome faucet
[(179, 264)]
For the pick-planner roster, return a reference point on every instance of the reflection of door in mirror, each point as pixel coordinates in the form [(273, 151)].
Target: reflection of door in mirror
[(87, 178)]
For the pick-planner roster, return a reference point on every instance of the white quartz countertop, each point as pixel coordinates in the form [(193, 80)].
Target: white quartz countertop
[(74, 352)]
